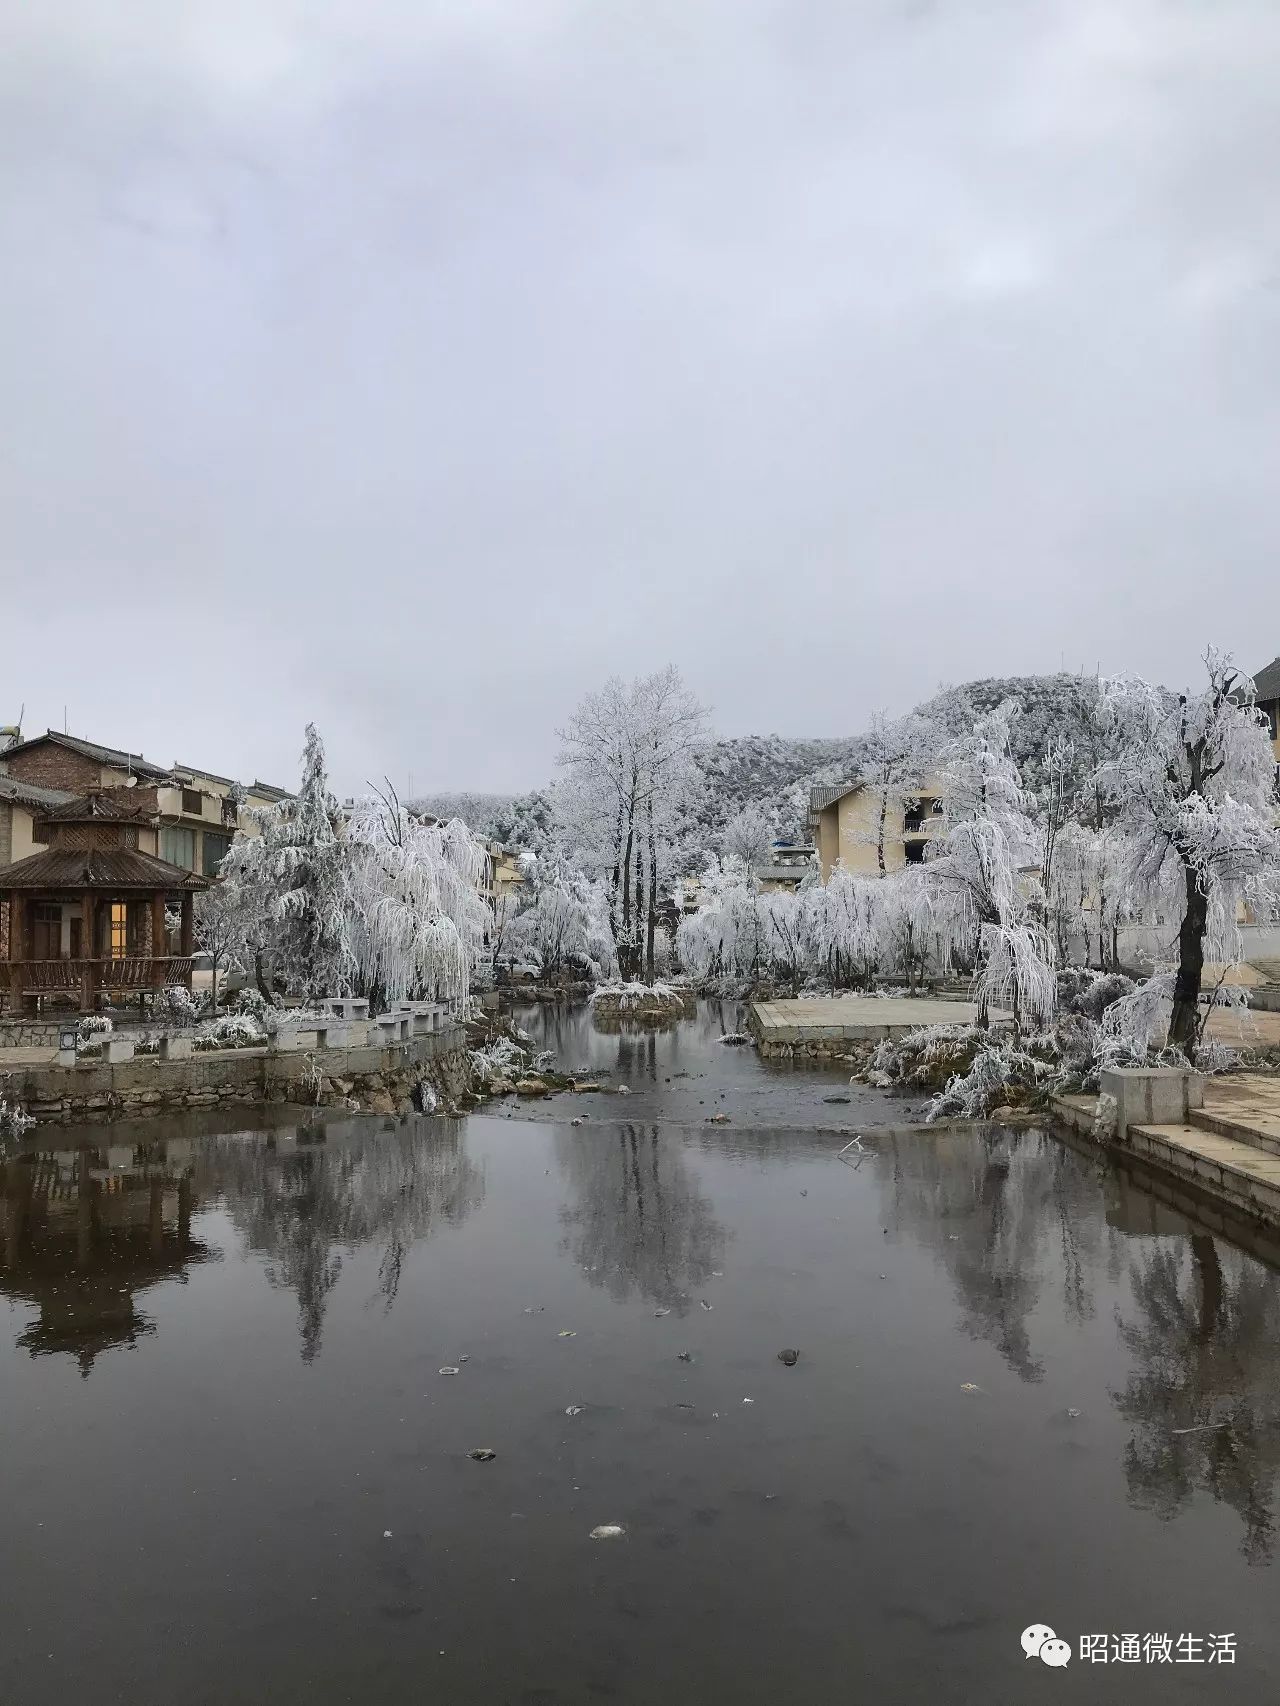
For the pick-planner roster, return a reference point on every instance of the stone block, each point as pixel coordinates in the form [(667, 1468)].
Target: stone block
[(66, 1057), (358, 1032), (116, 1049), (331, 1036), (176, 1048), (283, 1041), (1151, 1095)]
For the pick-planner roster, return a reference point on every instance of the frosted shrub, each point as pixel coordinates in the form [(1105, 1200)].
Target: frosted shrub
[(500, 1059), (1089, 993), (177, 1006), (232, 1030), (93, 1026), (14, 1121), (625, 995), (1001, 1069)]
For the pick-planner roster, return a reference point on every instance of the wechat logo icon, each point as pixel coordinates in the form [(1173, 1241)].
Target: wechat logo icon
[(1040, 1642)]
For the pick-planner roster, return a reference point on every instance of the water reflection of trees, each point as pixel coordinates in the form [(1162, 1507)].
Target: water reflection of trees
[(302, 1203), (994, 1207), (636, 1219), (1202, 1397)]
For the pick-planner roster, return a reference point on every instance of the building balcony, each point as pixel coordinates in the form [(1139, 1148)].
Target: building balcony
[(87, 978)]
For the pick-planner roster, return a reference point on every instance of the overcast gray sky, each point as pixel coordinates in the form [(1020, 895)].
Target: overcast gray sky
[(410, 366)]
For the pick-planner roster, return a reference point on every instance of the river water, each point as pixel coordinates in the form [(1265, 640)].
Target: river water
[(234, 1472)]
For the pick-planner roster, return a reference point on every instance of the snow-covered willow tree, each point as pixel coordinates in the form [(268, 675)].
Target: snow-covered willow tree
[(983, 875), (293, 875), (1193, 785), (627, 755), (724, 938), (416, 916), (844, 925), (567, 923), (371, 901)]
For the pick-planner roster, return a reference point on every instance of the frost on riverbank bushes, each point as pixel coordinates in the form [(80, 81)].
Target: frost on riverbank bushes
[(640, 1001), (973, 1071), (14, 1121)]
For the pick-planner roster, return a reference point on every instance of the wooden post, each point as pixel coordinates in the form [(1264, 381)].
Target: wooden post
[(188, 923), (89, 946), (159, 942), (15, 948)]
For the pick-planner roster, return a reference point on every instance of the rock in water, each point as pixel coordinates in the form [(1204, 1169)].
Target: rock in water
[(481, 1454), (609, 1531), (791, 1358)]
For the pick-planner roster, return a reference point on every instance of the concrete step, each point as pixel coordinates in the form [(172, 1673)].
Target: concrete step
[(1235, 1173), (1257, 1130)]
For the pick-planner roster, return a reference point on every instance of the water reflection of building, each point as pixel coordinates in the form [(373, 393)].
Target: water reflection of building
[(303, 1195), (86, 1231), (636, 1220)]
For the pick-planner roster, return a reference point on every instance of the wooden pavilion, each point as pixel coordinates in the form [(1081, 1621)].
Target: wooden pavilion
[(86, 916)]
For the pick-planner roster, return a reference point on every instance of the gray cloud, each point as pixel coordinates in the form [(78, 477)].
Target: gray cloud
[(411, 367)]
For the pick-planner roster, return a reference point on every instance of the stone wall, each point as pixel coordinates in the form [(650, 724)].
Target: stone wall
[(19, 1032), (381, 1080)]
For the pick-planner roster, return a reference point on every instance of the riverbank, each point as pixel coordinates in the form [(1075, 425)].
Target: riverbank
[(372, 1078)]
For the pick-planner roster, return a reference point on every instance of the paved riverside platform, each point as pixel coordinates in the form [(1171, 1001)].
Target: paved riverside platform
[(1228, 1150), (855, 1018)]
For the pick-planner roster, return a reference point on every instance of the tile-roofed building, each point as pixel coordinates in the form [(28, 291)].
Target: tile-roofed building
[(199, 810), (86, 914), (845, 820), (1267, 686)]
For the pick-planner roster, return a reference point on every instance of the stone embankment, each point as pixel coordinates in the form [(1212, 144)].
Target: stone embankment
[(380, 1077)]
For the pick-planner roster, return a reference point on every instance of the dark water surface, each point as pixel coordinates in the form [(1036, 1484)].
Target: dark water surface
[(232, 1471)]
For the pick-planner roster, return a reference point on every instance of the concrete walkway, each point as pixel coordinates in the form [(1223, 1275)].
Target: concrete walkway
[(851, 1018), (13, 1058)]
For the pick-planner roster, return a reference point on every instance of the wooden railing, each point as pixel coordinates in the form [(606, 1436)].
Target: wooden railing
[(70, 977)]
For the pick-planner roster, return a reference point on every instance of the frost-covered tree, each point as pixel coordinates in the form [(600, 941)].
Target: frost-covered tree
[(295, 873), (844, 926), (749, 836), (896, 754), (1193, 784), (627, 756), (567, 923), (415, 915), (373, 901), (225, 921), (983, 875), (724, 938)]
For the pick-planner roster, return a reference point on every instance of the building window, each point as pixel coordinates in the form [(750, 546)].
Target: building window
[(119, 930), (913, 818), (216, 848), (936, 808), (193, 802), (915, 852), (178, 846)]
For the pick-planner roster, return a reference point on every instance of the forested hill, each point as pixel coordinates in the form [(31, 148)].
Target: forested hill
[(777, 771)]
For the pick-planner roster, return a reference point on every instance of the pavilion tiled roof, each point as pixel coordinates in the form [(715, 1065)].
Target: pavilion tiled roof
[(97, 868), (116, 805)]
